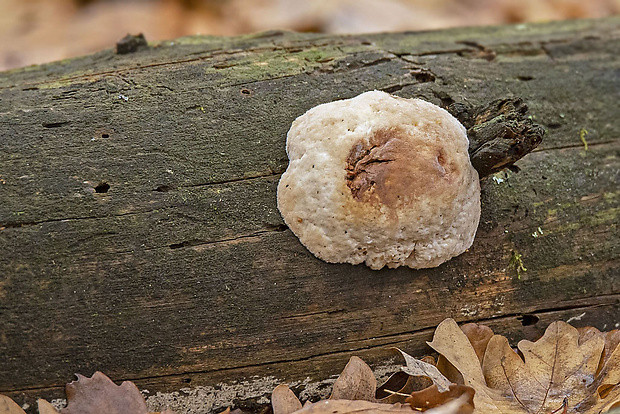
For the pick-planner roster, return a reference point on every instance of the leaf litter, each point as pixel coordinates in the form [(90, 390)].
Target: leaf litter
[(94, 395), (568, 370)]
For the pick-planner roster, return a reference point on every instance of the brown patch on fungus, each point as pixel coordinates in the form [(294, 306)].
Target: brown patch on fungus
[(389, 169)]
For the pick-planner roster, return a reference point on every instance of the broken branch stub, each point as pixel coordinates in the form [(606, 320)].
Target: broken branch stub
[(500, 133)]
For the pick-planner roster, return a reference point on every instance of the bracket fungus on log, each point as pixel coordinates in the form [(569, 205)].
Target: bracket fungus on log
[(382, 180)]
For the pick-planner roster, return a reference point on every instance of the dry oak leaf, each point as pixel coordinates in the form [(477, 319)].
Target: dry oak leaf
[(399, 386), (226, 411), (461, 405), (99, 394), (479, 337), (356, 382), (418, 368), (8, 406), (367, 407), (284, 401), (45, 407), (431, 397), (561, 365), (349, 406)]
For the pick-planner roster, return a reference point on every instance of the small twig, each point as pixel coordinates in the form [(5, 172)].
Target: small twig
[(564, 407), (397, 393)]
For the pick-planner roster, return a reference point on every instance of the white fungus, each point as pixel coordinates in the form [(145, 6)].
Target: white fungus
[(382, 180)]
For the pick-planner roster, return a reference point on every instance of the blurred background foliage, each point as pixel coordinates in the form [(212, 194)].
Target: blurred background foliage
[(37, 31)]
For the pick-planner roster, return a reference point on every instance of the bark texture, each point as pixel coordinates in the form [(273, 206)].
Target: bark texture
[(139, 233)]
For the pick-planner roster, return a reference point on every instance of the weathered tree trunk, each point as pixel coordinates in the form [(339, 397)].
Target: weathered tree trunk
[(139, 233)]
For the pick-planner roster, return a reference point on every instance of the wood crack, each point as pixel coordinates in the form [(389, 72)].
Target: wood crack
[(160, 188), (232, 85), (392, 339), (577, 145), (208, 55), (17, 224), (235, 180), (318, 313), (198, 243), (396, 87)]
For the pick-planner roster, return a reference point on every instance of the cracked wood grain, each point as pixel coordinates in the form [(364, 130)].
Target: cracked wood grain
[(191, 159), (309, 371)]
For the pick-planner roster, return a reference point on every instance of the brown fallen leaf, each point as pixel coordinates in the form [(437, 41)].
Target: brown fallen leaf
[(8, 406), (431, 397), (446, 368), (387, 393), (356, 382), (558, 366), (349, 406), (399, 386), (226, 411), (612, 342), (367, 407), (453, 407), (284, 401), (45, 407), (99, 394), (418, 368), (479, 336), (91, 396)]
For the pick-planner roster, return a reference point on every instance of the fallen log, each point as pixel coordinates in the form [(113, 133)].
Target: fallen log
[(139, 233)]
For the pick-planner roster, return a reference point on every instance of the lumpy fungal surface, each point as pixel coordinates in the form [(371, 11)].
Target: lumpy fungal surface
[(382, 180)]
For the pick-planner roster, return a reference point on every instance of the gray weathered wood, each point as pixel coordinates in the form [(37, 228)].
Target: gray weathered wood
[(183, 270)]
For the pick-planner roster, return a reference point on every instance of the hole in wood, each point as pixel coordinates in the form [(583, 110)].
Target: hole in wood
[(246, 91), (186, 243), (423, 76), (102, 187), (163, 188), (528, 320), (55, 124)]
